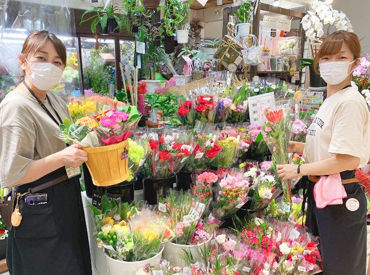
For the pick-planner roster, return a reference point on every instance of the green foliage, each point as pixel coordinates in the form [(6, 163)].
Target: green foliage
[(73, 131), (175, 16), (98, 74), (305, 62), (168, 104), (100, 16), (245, 12)]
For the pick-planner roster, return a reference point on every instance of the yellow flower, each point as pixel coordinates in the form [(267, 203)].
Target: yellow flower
[(149, 235), (242, 165), (121, 230), (297, 249), (88, 122)]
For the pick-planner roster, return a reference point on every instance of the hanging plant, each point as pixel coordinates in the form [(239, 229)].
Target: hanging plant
[(108, 19)]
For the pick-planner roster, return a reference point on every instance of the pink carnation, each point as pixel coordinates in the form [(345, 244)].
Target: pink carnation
[(207, 177), (229, 245)]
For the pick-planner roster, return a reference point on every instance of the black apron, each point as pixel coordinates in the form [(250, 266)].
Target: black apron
[(52, 238), (343, 233)]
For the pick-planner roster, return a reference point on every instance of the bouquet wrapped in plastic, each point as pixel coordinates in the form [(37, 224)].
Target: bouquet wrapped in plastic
[(169, 151), (277, 129), (228, 141), (231, 194)]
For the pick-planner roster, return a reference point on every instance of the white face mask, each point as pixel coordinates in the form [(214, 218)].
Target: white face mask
[(45, 76), (334, 72)]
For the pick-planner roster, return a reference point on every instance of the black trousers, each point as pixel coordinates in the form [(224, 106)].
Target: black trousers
[(52, 238), (343, 233)]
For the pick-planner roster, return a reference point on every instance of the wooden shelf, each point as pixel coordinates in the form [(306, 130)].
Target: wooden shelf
[(211, 3)]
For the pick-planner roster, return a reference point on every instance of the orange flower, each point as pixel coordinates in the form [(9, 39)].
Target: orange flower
[(274, 116)]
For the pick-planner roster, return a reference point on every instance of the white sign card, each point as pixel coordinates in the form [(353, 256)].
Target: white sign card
[(140, 47), (257, 104)]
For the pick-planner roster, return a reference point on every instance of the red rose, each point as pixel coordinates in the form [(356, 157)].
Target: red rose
[(187, 104), (164, 155), (213, 152), (153, 145), (274, 116), (183, 111), (176, 146), (185, 152), (2, 231), (161, 140), (200, 108)]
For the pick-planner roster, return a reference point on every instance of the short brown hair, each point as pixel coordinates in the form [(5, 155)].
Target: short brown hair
[(38, 38), (333, 43)]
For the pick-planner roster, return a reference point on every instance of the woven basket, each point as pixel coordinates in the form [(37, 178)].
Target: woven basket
[(108, 165)]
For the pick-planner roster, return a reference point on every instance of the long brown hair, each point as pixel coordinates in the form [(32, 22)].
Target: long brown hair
[(333, 43), (37, 39)]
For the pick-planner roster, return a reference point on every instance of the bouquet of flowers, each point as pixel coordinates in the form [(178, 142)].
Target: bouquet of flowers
[(169, 151), (285, 248), (107, 128), (187, 113), (138, 150), (232, 194), (128, 234), (257, 149), (185, 214), (202, 189), (205, 107), (205, 151), (223, 109), (263, 185), (277, 129), (228, 141), (239, 106)]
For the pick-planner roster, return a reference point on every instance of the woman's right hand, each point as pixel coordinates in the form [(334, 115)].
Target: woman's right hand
[(72, 156)]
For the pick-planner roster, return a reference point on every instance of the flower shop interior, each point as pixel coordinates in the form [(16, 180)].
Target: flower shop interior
[(186, 110)]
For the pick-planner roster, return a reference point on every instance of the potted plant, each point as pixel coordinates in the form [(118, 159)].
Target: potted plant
[(108, 19), (168, 26), (244, 16), (182, 11)]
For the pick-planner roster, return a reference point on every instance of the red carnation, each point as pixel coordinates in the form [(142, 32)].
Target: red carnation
[(164, 155), (185, 152), (153, 145), (196, 149), (141, 89), (200, 108), (183, 111), (161, 140), (2, 231), (176, 146), (213, 152)]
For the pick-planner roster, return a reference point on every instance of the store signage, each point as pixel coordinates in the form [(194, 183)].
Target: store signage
[(257, 104), (272, 22)]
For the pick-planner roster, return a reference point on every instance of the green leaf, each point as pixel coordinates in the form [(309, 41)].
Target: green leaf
[(95, 210), (107, 204), (104, 22), (259, 138)]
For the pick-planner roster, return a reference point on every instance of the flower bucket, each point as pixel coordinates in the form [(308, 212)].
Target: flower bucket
[(174, 253), (243, 29), (156, 188), (182, 36), (117, 267), (108, 165)]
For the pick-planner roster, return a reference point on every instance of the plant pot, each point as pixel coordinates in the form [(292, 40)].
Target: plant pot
[(315, 79), (135, 29), (169, 44), (183, 181), (152, 85), (108, 165), (123, 191), (156, 188), (112, 26), (117, 267), (182, 36), (174, 253), (151, 4), (243, 29)]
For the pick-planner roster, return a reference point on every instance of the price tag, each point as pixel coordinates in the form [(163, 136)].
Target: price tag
[(199, 207), (202, 2), (246, 269), (257, 104), (199, 155), (140, 47), (73, 172), (187, 220), (285, 207), (162, 207), (302, 269), (194, 215), (267, 194)]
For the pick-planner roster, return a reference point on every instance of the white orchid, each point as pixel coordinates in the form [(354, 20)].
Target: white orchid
[(322, 14)]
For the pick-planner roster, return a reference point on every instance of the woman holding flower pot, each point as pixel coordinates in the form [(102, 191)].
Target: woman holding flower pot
[(336, 145), (49, 232)]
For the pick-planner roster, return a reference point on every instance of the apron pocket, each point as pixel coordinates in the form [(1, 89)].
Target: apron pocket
[(37, 222)]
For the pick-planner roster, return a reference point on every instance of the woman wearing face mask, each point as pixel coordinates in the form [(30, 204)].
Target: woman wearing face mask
[(337, 143), (52, 236)]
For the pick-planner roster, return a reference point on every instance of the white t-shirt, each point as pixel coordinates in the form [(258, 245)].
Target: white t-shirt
[(341, 126)]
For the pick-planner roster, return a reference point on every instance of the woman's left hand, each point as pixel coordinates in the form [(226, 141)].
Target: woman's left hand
[(287, 171)]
